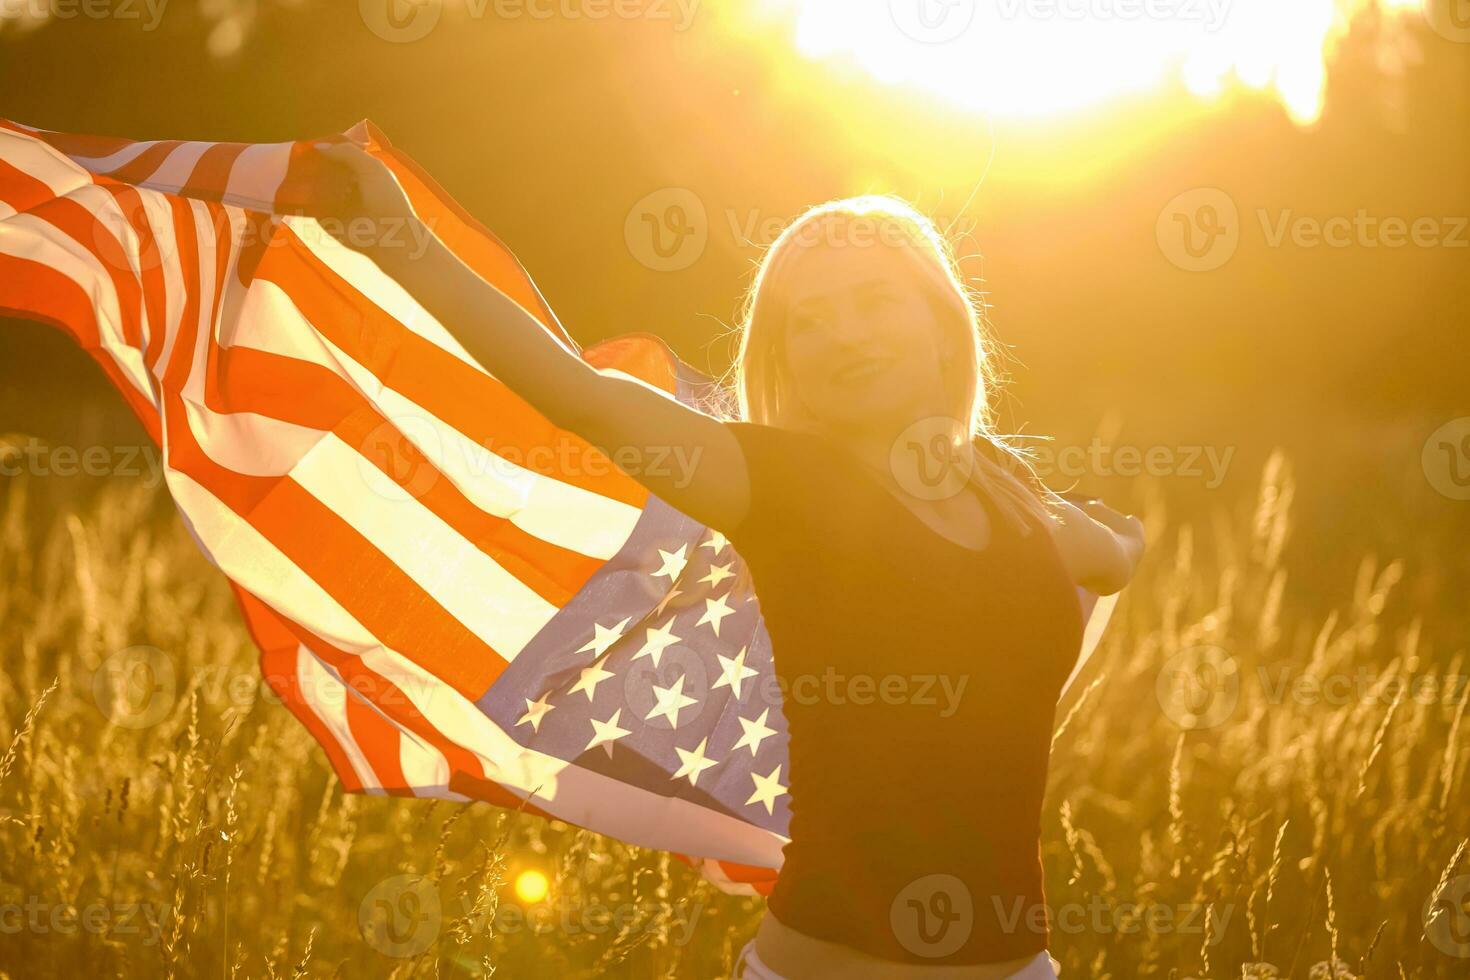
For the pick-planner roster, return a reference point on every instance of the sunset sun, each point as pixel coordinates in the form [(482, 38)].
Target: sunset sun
[(1040, 57)]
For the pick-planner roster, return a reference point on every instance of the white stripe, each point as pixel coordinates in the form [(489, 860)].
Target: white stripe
[(255, 445), (590, 799), (567, 516), (714, 873), (233, 294), (43, 162), (200, 280), (424, 768), (110, 225), (544, 507), (581, 796), (245, 442), (28, 237), (257, 175), (160, 217), (174, 172), (114, 160), (422, 764), (254, 562), (491, 602), (365, 276), (323, 691)]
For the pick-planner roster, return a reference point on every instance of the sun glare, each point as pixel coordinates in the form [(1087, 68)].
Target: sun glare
[(1038, 57), (531, 886)]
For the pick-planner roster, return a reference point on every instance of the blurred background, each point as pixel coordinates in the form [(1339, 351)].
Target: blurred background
[(1066, 142), (1212, 234)]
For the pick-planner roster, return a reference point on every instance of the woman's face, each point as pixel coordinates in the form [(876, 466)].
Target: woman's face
[(864, 348)]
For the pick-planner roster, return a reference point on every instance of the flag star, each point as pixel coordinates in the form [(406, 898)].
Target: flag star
[(605, 733), (591, 677), (716, 541), (658, 638), (673, 562), (535, 711), (604, 637), (734, 671), (767, 789), (658, 610), (671, 700), (691, 764), (718, 573), (715, 610), (756, 732)]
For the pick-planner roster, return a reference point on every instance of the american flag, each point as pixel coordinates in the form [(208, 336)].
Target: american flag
[(456, 598)]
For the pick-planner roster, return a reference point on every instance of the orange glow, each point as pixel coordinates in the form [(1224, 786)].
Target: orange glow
[(1041, 57), (531, 887)]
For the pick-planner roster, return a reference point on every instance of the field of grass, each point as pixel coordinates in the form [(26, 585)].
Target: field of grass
[(1254, 779)]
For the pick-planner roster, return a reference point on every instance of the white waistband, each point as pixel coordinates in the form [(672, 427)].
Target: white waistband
[(751, 967)]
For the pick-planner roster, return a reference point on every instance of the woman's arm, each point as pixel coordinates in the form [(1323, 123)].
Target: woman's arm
[(613, 414), (1100, 547)]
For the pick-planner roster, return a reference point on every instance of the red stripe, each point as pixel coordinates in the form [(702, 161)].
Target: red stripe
[(145, 164), (211, 173), (378, 741), (32, 291), (472, 242), (187, 245), (492, 792), (364, 581), (76, 222), (74, 144), (392, 701), (149, 256), (278, 665), (20, 190), (460, 394), (553, 572), (271, 631)]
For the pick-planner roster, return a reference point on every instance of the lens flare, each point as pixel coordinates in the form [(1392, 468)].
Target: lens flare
[(531, 887)]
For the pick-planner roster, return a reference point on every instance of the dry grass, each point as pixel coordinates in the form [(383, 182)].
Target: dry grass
[(1296, 832)]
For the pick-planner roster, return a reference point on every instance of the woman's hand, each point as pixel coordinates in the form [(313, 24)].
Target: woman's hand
[(363, 186), (1100, 547), (1127, 528)]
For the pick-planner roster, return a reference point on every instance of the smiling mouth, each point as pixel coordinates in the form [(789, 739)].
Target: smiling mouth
[(864, 369)]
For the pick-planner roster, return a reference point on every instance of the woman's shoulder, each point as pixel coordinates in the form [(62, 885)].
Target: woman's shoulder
[(794, 475), (781, 445)]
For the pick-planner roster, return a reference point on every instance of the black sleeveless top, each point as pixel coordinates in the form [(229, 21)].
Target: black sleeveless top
[(921, 682)]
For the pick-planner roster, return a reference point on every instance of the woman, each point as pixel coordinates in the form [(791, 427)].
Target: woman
[(891, 535)]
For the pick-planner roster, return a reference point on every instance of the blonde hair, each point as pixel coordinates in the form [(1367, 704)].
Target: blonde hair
[(971, 375)]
